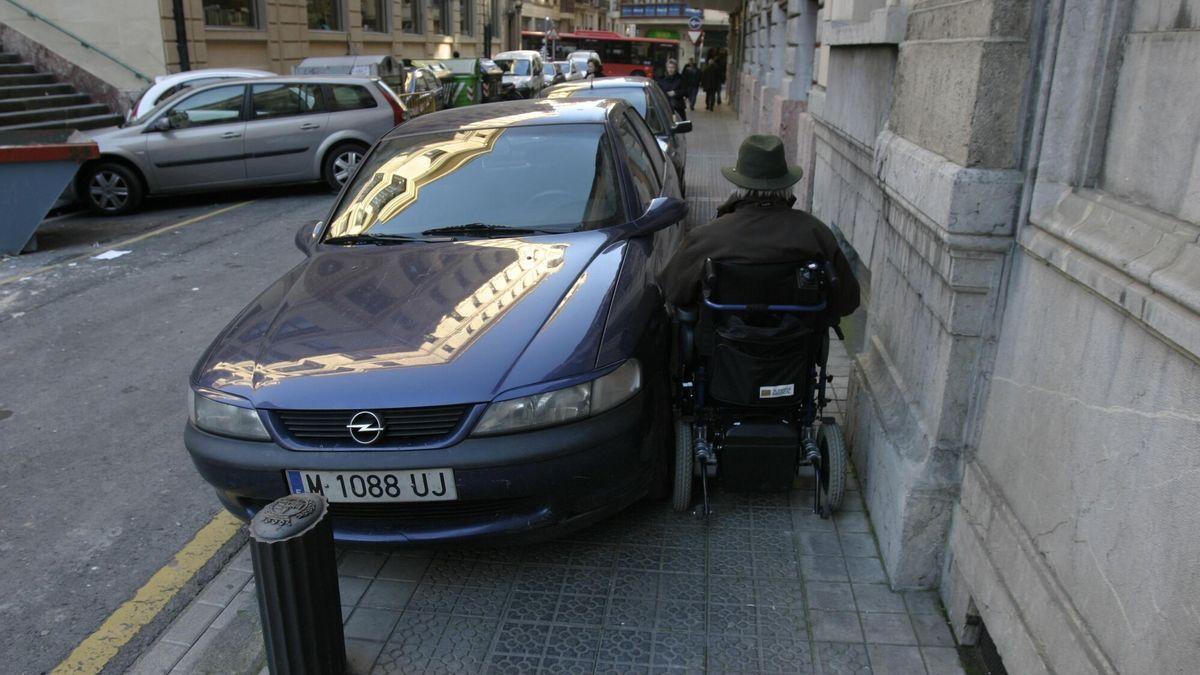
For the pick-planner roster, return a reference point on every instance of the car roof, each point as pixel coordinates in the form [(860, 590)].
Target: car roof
[(531, 112), (604, 83), (517, 54), (202, 73)]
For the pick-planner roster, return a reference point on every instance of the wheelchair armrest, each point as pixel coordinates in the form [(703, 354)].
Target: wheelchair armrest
[(685, 314)]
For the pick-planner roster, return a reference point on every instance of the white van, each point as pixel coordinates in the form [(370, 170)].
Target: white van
[(522, 72)]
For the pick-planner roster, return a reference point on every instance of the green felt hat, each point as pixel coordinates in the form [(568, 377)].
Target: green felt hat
[(762, 165)]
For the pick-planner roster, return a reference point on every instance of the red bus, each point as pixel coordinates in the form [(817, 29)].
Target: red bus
[(621, 55)]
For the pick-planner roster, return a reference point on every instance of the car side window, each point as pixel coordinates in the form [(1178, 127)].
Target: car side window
[(643, 130), (351, 97), (662, 111), (212, 106), (431, 82), (282, 100), (640, 164)]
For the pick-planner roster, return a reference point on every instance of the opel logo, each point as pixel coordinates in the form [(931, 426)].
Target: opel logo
[(365, 427)]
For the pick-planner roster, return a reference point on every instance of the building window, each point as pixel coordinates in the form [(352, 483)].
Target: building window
[(325, 14), (231, 13), (439, 11), (375, 16), (466, 17), (410, 17)]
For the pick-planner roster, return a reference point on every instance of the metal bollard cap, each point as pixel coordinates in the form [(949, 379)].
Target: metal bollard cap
[(288, 517)]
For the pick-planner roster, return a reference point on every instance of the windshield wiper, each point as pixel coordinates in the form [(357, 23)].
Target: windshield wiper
[(483, 230), (380, 239)]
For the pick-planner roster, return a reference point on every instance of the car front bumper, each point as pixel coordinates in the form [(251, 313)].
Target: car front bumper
[(518, 487)]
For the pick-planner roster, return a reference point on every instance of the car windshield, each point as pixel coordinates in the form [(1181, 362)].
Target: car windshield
[(413, 184), (636, 96), (514, 66)]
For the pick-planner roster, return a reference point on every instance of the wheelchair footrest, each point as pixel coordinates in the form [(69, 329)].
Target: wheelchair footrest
[(759, 457)]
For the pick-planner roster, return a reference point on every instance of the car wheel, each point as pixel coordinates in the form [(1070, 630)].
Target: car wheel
[(341, 162), (111, 189)]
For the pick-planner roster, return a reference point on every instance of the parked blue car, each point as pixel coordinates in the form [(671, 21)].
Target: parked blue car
[(473, 347)]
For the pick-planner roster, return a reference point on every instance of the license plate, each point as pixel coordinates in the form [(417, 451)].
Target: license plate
[(427, 485)]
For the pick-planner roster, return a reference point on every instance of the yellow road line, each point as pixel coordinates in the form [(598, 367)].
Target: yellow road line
[(125, 242), (122, 625)]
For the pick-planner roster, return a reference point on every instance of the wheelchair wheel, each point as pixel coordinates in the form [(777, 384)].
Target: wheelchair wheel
[(681, 496), (831, 477)]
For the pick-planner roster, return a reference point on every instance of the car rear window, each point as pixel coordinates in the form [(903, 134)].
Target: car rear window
[(351, 97), (280, 100), (636, 96), (495, 176)]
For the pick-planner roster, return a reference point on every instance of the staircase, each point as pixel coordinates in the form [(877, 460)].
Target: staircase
[(33, 100)]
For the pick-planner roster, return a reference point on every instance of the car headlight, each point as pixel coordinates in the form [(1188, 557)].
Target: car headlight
[(207, 412), (562, 405)]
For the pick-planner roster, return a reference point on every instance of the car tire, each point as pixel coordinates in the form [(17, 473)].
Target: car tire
[(341, 162), (111, 189)]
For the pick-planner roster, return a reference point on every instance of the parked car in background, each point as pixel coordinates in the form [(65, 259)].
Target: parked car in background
[(571, 69), (166, 86), (522, 72), (647, 98), (420, 91), (585, 55), (239, 133), (551, 74), (450, 366)]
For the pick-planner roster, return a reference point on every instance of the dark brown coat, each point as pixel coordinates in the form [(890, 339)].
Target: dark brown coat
[(758, 232)]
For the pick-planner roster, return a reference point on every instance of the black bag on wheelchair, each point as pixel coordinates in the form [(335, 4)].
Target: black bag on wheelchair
[(759, 353)]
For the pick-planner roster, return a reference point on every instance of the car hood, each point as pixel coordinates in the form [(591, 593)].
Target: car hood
[(419, 324)]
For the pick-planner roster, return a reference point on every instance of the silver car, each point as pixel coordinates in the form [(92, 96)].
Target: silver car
[(240, 133)]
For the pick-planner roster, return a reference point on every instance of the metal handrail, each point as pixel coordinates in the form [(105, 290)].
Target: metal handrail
[(81, 41)]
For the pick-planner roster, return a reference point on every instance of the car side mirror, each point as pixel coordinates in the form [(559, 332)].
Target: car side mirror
[(162, 124), (662, 213), (682, 127), (307, 236)]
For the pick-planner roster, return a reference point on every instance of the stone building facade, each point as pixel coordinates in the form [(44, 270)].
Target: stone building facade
[(1019, 185)]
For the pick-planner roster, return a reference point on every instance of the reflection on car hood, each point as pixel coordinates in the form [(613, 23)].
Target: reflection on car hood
[(401, 325)]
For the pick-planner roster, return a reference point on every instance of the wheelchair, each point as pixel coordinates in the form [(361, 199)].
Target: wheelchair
[(750, 384)]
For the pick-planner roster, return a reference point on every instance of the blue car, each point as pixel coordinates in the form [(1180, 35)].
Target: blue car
[(473, 347)]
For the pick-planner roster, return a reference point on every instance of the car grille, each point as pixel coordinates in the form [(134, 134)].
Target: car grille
[(419, 512), (402, 426)]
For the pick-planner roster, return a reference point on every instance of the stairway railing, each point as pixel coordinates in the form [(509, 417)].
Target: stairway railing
[(86, 45)]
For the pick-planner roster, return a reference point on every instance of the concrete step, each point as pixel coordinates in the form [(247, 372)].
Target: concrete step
[(40, 102), (81, 123), (50, 114), (30, 90), (25, 78), (16, 69), (6, 57)]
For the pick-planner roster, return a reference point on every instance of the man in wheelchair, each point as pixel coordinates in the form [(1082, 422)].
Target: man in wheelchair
[(755, 293)]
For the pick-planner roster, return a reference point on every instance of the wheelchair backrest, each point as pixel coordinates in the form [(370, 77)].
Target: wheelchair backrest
[(757, 286)]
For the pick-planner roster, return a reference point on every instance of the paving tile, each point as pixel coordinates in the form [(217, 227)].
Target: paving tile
[(589, 580), (608, 668), (858, 544), (463, 646), (788, 622), (835, 626), (635, 583), (842, 658), (830, 595), (619, 645), (733, 653), (639, 557), (683, 587), (241, 561), (351, 589), (543, 578), (385, 594), (592, 555), (851, 521), (893, 629), (573, 643), (483, 602), (866, 570), (804, 520), (923, 602), (433, 598), (586, 610), (678, 650), (878, 598), (776, 564), (403, 568), (555, 666), (630, 613), (772, 540), (818, 543), (730, 590), (448, 572), (361, 654), (361, 564), (728, 539), (778, 593), (371, 624), (507, 664), (942, 661), (779, 655), (493, 575), (160, 658), (680, 616), (520, 638), (730, 562), (823, 568), (733, 619), (895, 660), (528, 606), (191, 623), (932, 630), (223, 587)]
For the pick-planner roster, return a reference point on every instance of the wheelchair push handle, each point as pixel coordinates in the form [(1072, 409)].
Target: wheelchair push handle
[(782, 309)]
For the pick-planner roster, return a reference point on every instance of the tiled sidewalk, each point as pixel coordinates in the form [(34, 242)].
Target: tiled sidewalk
[(763, 586)]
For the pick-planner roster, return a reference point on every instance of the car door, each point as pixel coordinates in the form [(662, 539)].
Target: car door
[(286, 124), (676, 144), (204, 145), (652, 177)]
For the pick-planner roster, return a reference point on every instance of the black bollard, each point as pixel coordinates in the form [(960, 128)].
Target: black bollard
[(295, 572)]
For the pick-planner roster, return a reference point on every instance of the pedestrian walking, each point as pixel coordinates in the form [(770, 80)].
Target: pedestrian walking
[(691, 82), (594, 70), (721, 63), (672, 85), (710, 81)]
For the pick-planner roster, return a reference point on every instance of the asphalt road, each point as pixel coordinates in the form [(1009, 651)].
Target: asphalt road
[(94, 359)]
